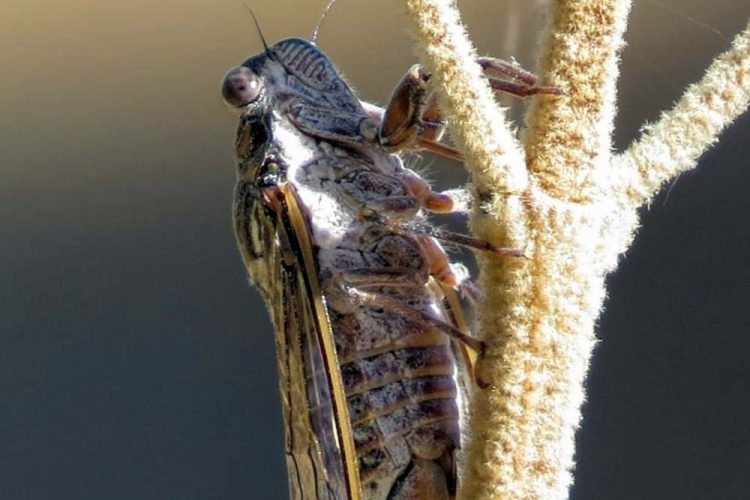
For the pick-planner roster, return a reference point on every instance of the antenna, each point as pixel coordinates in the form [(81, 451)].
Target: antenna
[(257, 26), (320, 21)]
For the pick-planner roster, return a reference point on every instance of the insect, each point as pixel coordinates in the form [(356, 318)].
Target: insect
[(332, 230)]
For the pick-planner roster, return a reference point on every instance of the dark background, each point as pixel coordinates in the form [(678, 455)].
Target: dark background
[(136, 362)]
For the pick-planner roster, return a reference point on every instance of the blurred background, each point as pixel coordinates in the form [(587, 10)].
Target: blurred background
[(136, 361)]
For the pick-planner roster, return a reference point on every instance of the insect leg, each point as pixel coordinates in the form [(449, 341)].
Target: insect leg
[(429, 199), (412, 116), (446, 236), (402, 120), (498, 71), (464, 240), (379, 300), (356, 282)]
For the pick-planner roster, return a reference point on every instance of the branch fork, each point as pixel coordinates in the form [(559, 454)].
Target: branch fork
[(576, 215)]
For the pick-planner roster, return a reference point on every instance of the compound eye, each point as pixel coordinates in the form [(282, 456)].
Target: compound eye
[(240, 87)]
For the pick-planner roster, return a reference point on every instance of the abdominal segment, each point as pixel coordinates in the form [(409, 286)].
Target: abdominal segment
[(398, 371)]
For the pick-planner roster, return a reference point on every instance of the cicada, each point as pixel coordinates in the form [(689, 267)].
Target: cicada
[(332, 229)]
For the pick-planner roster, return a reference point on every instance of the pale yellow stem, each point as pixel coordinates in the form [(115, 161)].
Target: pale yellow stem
[(537, 316), (493, 155), (682, 134), (568, 139), (568, 210)]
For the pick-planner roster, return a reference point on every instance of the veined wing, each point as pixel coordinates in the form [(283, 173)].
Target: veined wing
[(321, 459)]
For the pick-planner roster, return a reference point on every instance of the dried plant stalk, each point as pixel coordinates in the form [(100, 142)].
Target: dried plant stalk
[(571, 206)]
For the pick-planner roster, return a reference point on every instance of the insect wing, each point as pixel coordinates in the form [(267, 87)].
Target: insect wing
[(314, 460), (326, 396), (321, 461)]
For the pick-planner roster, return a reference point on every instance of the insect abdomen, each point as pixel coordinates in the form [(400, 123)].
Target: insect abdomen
[(398, 376), (402, 406), (397, 369)]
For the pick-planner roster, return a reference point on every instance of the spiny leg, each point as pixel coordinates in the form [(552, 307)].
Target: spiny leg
[(412, 117), (443, 235), (356, 282)]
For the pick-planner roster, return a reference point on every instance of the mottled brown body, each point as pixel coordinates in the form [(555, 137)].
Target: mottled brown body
[(318, 204)]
